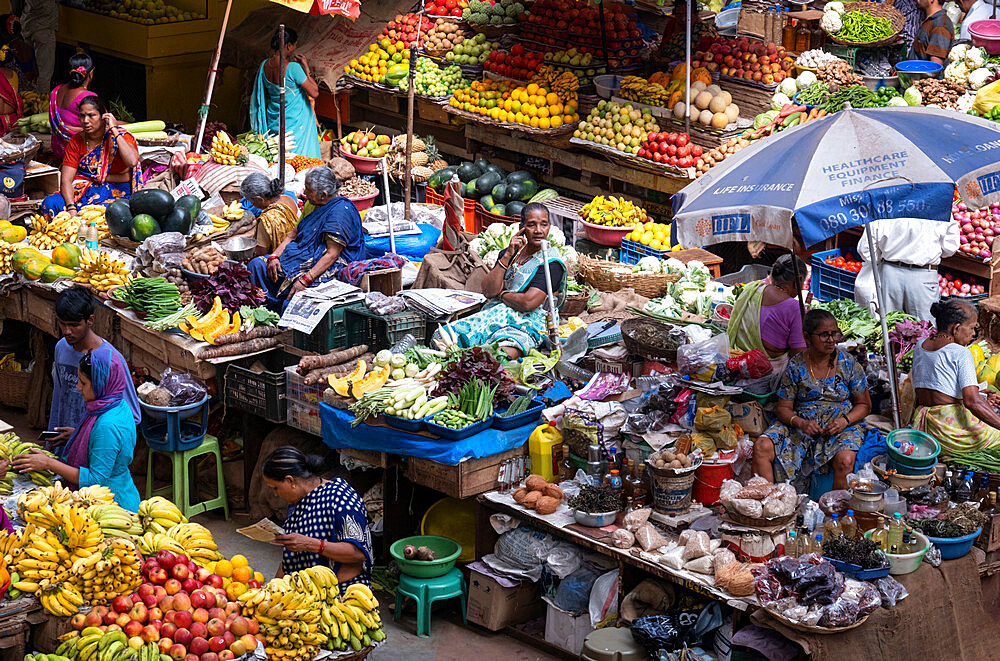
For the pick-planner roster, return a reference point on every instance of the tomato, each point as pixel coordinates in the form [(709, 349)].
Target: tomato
[(839, 261), (450, 4)]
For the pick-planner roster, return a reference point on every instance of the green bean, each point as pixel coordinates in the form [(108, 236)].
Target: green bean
[(815, 94)]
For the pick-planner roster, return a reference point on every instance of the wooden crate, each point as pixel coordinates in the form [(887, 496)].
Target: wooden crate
[(377, 459), (388, 281), (385, 101), (468, 478), (989, 539), (431, 112)]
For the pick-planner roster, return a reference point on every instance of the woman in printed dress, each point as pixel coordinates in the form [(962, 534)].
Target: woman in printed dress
[(327, 522)]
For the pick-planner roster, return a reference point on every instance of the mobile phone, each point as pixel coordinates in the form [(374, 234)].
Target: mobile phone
[(48, 435)]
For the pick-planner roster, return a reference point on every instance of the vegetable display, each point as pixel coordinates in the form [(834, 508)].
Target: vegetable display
[(468, 364), (474, 399), (814, 95), (987, 459), (861, 27), (958, 521), (841, 263), (453, 419), (230, 284), (153, 298), (519, 405), (173, 320)]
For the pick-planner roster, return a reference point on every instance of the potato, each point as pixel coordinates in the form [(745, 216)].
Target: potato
[(535, 483), (546, 505), (553, 491), (519, 495), (660, 463), (668, 456), (530, 499), (676, 464)]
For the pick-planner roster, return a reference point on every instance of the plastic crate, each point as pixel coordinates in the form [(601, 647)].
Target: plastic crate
[(829, 283), (850, 53), (260, 393), (304, 418), (468, 211), (297, 390), (458, 434), (329, 334), (403, 423), (484, 218), (633, 251), (530, 415), (381, 332)]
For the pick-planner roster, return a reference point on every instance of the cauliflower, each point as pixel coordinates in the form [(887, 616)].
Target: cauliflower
[(896, 101), (647, 265), (805, 79), (834, 7), (957, 72), (673, 265), (831, 22), (779, 101), (556, 236), (958, 52), (478, 245), (788, 87), (490, 258), (978, 77), (568, 254), (975, 58)]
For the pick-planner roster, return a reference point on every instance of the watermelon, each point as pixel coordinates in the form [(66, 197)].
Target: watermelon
[(499, 210), (152, 202), (143, 227), (440, 179), (515, 190), (119, 217), (530, 188), (190, 202), (178, 220), (469, 190), (482, 164), (467, 172), (486, 182), (487, 202), (497, 169), (499, 193), (518, 177), (514, 208)]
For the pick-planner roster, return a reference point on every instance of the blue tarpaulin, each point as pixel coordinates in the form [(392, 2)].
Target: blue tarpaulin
[(338, 433), (411, 246)]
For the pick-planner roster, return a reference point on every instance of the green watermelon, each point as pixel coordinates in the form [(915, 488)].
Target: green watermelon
[(500, 193), (482, 164), (469, 190), (497, 169), (191, 203), (486, 182), (514, 208), (154, 202), (518, 177), (143, 227), (515, 190), (178, 220), (487, 202), (467, 172), (499, 210), (440, 179), (530, 188), (119, 218)]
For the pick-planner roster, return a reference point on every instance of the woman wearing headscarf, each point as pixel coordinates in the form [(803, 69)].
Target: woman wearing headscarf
[(101, 448)]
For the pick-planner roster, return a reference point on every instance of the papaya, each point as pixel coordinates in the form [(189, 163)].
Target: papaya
[(53, 272), (702, 74), (13, 233), (396, 73), (18, 259), (67, 255), (5, 223), (34, 267), (340, 384)]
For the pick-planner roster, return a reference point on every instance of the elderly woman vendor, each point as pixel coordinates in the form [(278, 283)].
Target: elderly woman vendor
[(326, 239), (949, 405), (277, 210), (822, 398), (515, 317)]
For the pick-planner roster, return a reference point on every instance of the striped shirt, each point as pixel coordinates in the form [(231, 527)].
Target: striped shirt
[(934, 37)]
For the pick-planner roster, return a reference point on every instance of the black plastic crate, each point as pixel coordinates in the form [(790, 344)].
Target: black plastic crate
[(259, 393), (329, 334), (381, 332)]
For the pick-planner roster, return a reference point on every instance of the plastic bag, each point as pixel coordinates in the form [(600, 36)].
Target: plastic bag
[(573, 594), (699, 360), (656, 632), (987, 97), (712, 419), (673, 558), (835, 501), (841, 613), (891, 591), (649, 537), (524, 547), (697, 545), (634, 519), (623, 539), (754, 364), (183, 388), (604, 597), (704, 442), (702, 565), (581, 429), (383, 305)]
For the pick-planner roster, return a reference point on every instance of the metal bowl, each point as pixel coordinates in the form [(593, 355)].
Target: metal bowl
[(595, 520), (240, 248)]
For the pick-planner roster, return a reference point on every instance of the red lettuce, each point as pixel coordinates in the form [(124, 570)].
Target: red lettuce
[(474, 363), (231, 283)]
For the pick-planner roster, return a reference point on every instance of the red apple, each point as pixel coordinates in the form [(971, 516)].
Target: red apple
[(166, 559), (254, 626), (155, 613), (191, 657), (217, 613), (226, 655), (172, 586), (202, 574), (200, 615), (169, 616), (239, 626), (182, 602), (149, 565), (79, 621), (192, 567), (150, 634), (145, 590), (183, 637), (216, 627), (217, 643), (199, 599), (111, 628), (190, 584), (123, 619), (198, 646), (232, 607), (139, 613), (183, 619), (166, 603), (177, 652), (159, 591), (181, 559), (150, 600), (158, 576), (209, 656), (180, 572), (164, 644), (109, 618), (136, 643), (249, 642), (168, 630), (135, 597), (132, 628), (214, 580), (229, 638), (94, 618), (122, 604), (199, 630)]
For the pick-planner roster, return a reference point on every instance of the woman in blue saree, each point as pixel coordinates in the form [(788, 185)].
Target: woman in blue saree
[(515, 318), (101, 163), (300, 87), (101, 448)]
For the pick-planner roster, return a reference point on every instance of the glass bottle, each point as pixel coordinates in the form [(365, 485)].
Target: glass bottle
[(991, 504), (566, 468), (802, 37), (963, 492), (818, 36), (894, 536), (594, 462), (982, 495), (949, 483), (849, 526), (788, 34)]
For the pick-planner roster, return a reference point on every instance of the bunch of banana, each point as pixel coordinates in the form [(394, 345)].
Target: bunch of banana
[(218, 224), (112, 572), (565, 84), (47, 234), (612, 211), (288, 618), (95, 212), (50, 496), (11, 446), (96, 494), (60, 599), (197, 541), (10, 547), (115, 521), (224, 151), (152, 542), (232, 211), (44, 560), (635, 88), (7, 251), (159, 515), (34, 104), (44, 657), (83, 645), (100, 270)]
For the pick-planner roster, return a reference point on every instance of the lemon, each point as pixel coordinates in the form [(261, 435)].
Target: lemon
[(646, 238), (655, 244)]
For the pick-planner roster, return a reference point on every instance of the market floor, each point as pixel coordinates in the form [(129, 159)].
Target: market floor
[(449, 640)]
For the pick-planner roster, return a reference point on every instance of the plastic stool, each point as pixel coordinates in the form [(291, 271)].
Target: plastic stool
[(612, 644), (425, 591), (179, 491)]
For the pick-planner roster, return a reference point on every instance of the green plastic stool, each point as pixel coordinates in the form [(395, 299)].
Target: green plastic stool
[(425, 591), (179, 491)]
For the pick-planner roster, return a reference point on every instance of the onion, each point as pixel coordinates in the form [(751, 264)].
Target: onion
[(963, 239), (977, 251), (968, 228), (985, 254), (961, 206)]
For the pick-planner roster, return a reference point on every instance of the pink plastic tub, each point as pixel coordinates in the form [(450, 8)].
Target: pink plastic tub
[(986, 34)]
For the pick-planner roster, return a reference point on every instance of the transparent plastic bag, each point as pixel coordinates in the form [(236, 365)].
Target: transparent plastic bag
[(183, 388), (701, 358), (891, 591)]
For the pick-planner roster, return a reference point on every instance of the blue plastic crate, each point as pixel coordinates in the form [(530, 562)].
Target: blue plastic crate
[(829, 283), (857, 572), (404, 423), (632, 251), (458, 434), (532, 414)]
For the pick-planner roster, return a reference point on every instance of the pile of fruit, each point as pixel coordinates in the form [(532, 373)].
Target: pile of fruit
[(578, 62), (265, 146), (562, 83), (34, 102), (100, 270), (12, 446), (530, 105), (431, 80), (711, 106), (566, 22), (225, 151), (11, 233), (620, 127), (471, 51), (232, 211), (949, 285), (715, 156), (672, 149), (95, 213), (416, 165), (407, 29), (445, 7), (445, 35), (37, 123), (151, 211), (846, 263), (216, 322), (744, 58), (979, 228), (300, 162), (365, 143), (519, 63), (146, 12), (7, 252), (493, 12), (33, 265), (612, 211), (48, 233), (385, 63), (652, 235), (498, 192)]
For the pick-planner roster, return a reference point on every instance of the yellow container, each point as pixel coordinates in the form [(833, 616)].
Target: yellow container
[(543, 447)]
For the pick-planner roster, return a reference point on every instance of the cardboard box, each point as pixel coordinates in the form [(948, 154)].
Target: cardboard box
[(566, 630), (496, 602), (749, 416)]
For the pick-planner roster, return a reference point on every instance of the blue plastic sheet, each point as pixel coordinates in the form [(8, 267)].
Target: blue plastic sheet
[(338, 433), (412, 246)]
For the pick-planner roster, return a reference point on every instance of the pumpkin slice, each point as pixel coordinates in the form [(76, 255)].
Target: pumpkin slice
[(340, 384)]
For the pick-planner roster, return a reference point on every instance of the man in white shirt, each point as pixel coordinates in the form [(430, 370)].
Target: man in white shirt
[(975, 10), (910, 250)]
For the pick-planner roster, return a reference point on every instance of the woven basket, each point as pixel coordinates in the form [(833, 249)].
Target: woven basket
[(574, 305), (631, 326), (602, 275), (879, 10), (805, 628), (755, 522), (14, 388)]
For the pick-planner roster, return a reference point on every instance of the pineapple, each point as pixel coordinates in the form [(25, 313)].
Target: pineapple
[(434, 160)]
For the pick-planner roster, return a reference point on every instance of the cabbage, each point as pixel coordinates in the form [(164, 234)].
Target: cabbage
[(779, 101), (958, 52), (805, 79), (788, 87), (912, 96), (764, 118), (896, 101), (673, 265), (834, 6)]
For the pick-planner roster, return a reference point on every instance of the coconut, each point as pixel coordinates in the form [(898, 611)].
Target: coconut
[(719, 120), (705, 118), (727, 96), (698, 85), (679, 110), (718, 104), (732, 112)]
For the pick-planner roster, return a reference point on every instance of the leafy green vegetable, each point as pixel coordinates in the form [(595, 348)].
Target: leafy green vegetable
[(261, 316)]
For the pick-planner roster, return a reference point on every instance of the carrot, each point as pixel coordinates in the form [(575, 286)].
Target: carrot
[(310, 363), (238, 348), (252, 334), (822, 113), (319, 374)]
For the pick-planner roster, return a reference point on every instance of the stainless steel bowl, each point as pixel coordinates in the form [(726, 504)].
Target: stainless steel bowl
[(239, 248), (596, 520)]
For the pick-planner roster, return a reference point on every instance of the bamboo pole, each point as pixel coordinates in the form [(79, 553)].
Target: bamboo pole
[(281, 106), (210, 86)]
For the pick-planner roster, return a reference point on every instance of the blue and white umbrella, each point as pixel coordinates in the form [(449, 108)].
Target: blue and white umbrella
[(843, 171)]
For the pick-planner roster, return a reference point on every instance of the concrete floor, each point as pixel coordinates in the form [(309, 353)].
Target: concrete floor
[(449, 640)]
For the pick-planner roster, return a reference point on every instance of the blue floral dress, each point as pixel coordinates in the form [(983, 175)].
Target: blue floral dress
[(333, 512), (797, 455)]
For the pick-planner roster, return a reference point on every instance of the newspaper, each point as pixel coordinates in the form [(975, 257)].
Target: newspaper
[(309, 307), (440, 303), (264, 530)]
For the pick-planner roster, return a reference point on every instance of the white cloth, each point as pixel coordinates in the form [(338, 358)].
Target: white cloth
[(913, 241), (911, 290), (947, 370), (978, 12)]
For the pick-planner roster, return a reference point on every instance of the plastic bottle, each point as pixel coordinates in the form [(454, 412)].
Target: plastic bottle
[(849, 526), (907, 545), (880, 536), (792, 546), (817, 546), (894, 536), (543, 445), (831, 528), (949, 483), (963, 492), (92, 236)]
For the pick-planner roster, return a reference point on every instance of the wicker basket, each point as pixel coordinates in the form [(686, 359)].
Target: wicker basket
[(879, 10), (26, 155), (574, 305), (14, 388), (805, 628), (631, 326), (603, 275), (755, 522)]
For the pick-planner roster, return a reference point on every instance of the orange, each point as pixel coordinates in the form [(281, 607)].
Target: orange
[(543, 123), (532, 89), (534, 122), (543, 111), (555, 108), (239, 561), (242, 574), (235, 589), (224, 568), (555, 121), (552, 98)]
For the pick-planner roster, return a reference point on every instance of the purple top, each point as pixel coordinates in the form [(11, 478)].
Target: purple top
[(781, 325)]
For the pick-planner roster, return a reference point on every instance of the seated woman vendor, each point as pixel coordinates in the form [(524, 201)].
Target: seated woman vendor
[(515, 317), (822, 398), (327, 521), (325, 240), (768, 316), (101, 448), (949, 405), (277, 210), (101, 162)]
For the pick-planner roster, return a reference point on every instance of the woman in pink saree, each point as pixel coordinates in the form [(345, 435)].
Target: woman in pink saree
[(64, 102), (11, 105)]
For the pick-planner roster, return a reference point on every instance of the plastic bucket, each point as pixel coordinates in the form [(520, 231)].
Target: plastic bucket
[(708, 481), (671, 492), (955, 547), (364, 203)]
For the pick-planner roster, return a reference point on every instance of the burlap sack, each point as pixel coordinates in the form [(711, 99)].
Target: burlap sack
[(461, 268)]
